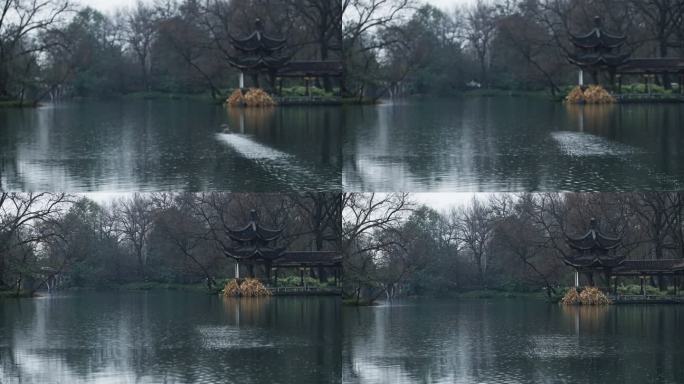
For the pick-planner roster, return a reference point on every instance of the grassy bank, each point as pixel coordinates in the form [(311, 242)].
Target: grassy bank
[(506, 93), (204, 97), (12, 294), (17, 104), (472, 295)]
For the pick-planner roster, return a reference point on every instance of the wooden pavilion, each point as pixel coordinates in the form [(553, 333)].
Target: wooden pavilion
[(259, 53), (600, 51), (597, 253), (257, 247)]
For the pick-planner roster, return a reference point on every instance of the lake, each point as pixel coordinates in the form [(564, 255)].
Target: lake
[(512, 341), (169, 145), (512, 144), (169, 337)]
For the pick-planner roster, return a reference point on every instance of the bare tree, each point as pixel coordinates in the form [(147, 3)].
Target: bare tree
[(20, 21), (142, 22), (23, 224), (135, 222), (475, 226), (482, 28)]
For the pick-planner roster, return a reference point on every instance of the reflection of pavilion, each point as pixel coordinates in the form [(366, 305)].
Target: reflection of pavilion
[(596, 253), (256, 247)]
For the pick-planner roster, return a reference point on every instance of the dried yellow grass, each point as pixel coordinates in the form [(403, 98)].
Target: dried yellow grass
[(594, 94), (245, 288), (254, 97), (588, 296)]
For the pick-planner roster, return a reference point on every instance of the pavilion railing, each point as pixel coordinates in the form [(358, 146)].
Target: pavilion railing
[(305, 290), (647, 298)]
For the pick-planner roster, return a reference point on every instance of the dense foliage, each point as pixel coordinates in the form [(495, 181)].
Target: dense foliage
[(54, 48), (502, 242), (404, 47), (69, 241)]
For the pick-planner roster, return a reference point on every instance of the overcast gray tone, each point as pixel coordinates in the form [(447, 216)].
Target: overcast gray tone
[(111, 5), (108, 5)]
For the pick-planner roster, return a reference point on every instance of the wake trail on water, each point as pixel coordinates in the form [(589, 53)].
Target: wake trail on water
[(583, 145), (282, 166), (580, 144)]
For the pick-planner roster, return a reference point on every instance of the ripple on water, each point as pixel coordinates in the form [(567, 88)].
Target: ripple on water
[(578, 144), (562, 347), (225, 337)]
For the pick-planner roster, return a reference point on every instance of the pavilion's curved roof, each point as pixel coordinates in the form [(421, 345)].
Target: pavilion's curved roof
[(258, 41), (598, 59), (254, 231), (255, 252), (259, 62), (594, 262), (598, 38), (593, 240)]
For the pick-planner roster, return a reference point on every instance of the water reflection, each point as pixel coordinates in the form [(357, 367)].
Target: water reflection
[(169, 337), (511, 342), (513, 144), (144, 145)]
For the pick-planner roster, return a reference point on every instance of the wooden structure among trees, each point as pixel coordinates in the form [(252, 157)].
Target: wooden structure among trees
[(256, 246), (259, 53), (596, 253), (600, 51)]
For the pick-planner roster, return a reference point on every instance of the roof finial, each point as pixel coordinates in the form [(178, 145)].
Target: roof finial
[(593, 223), (598, 21)]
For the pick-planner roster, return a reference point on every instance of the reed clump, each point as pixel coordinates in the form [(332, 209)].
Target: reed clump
[(594, 94), (245, 288), (254, 97), (586, 296)]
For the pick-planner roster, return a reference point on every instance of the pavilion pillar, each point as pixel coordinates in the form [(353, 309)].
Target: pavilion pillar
[(242, 80), (620, 84), (267, 270), (250, 270), (676, 282), (336, 272), (681, 84), (581, 77), (576, 279), (255, 80), (237, 270), (615, 285), (648, 85), (275, 273), (301, 276), (643, 293)]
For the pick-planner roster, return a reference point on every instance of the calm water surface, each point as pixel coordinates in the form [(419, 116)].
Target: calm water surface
[(169, 337), (513, 144), (167, 145), (512, 341)]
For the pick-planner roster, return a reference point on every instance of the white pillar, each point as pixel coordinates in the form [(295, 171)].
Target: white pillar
[(581, 77), (237, 270), (576, 279), (242, 80)]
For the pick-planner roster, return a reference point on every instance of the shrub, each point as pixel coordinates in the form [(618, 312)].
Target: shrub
[(594, 94), (254, 97), (245, 288), (587, 296)]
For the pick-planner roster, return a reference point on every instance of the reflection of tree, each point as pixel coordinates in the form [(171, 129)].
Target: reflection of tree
[(591, 118), (586, 317), (251, 310), (250, 120)]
